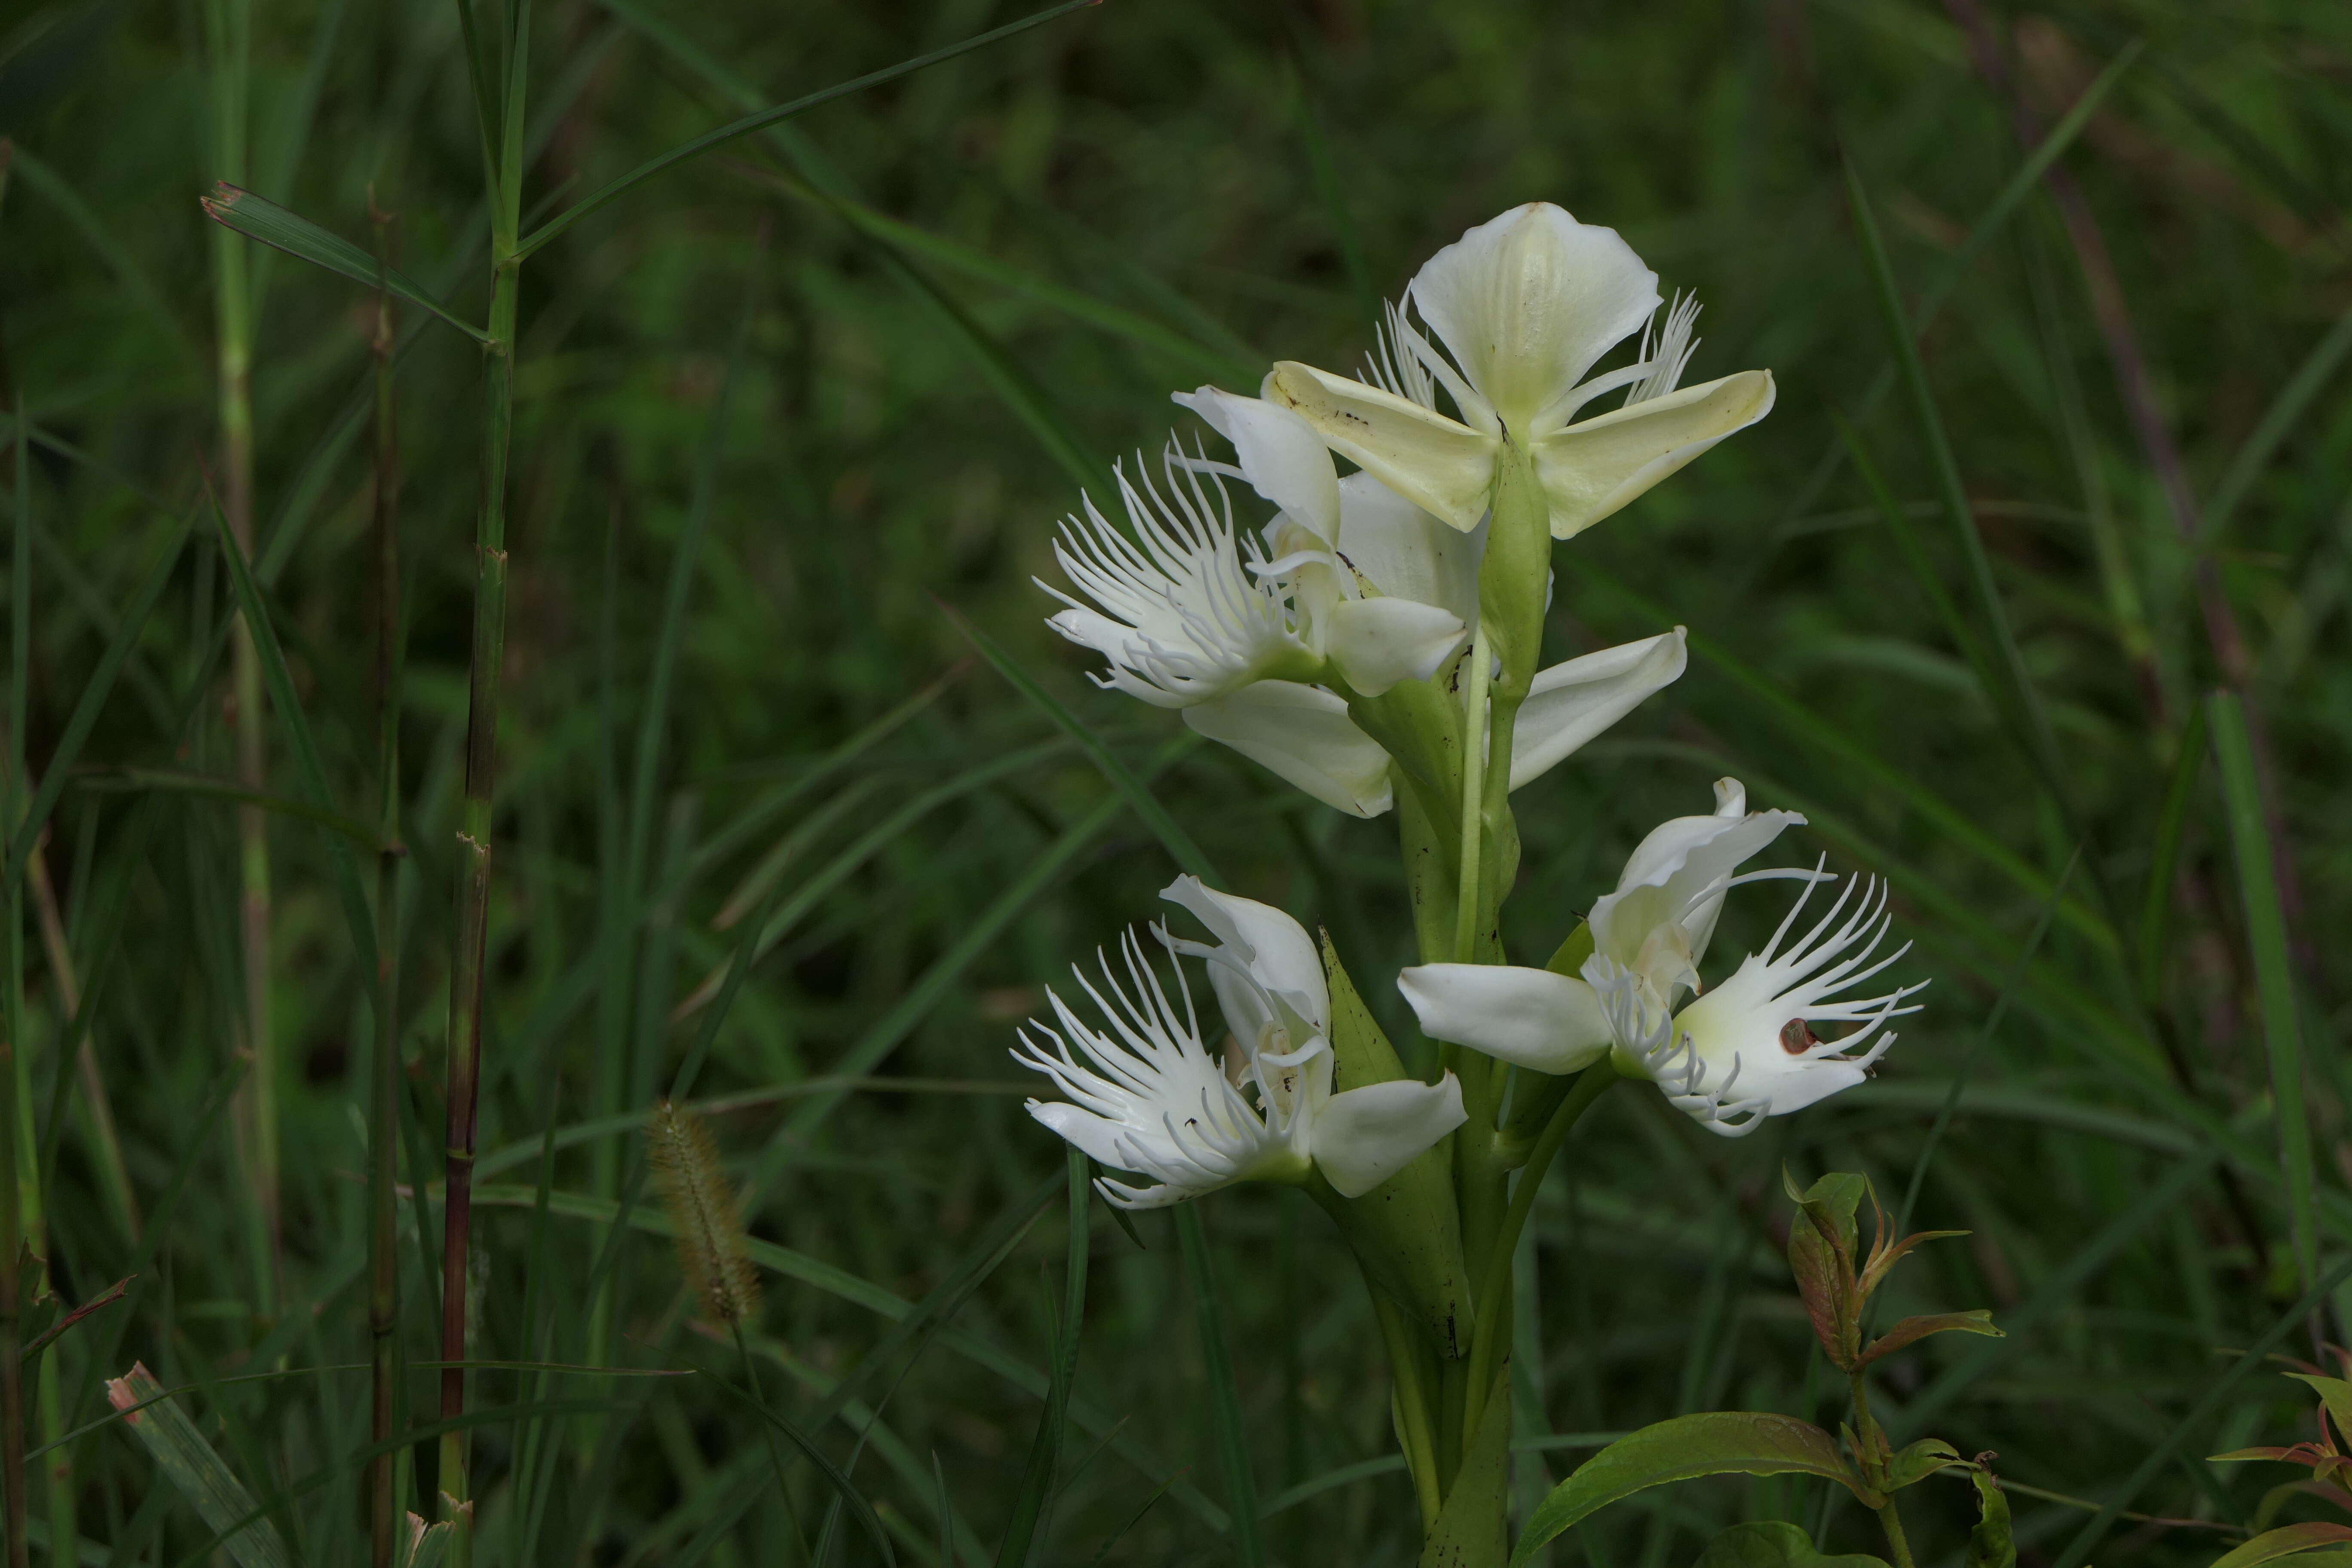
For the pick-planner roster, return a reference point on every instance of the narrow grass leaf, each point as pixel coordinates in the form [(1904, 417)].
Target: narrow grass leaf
[(1179, 844), (196, 1472), (855, 1501), (738, 129), (1225, 1425), (2010, 686), (2293, 400), (94, 693), (217, 787), (2266, 940), (1038, 1475), (258, 219)]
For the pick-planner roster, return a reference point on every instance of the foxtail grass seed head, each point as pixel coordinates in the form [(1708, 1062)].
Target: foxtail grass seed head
[(703, 1216)]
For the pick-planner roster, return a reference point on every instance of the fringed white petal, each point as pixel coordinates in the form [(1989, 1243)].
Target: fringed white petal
[(1175, 610)]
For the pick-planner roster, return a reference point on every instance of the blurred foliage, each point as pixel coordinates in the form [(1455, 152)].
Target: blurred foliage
[(1133, 199)]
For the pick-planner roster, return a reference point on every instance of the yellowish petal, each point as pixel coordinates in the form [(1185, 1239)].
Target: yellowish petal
[(1592, 469), (1440, 466)]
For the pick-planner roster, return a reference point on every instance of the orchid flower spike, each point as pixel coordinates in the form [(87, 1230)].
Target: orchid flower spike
[(1728, 1057), (1526, 305), (1150, 1097), (1385, 592)]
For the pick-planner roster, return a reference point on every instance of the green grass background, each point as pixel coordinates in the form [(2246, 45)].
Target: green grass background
[(1133, 199)]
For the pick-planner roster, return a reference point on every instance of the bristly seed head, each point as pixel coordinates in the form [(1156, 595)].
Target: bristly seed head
[(703, 1216)]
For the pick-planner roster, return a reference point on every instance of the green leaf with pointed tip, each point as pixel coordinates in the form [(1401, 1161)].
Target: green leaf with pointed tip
[(1713, 1443), (1911, 1330), (1570, 956), (1469, 1530), (257, 217), (1407, 1232), (2301, 1542), (1822, 1242), (1989, 1544), (1774, 1543), (196, 1472), (1918, 1461)]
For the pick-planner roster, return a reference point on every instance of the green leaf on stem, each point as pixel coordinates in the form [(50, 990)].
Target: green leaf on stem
[(257, 217), (2301, 1542), (1712, 1443), (1912, 1329), (1990, 1545), (1821, 1245), (1918, 1461), (1774, 1543)]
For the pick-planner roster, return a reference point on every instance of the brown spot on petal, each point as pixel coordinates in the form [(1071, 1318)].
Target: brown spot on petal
[(1797, 1038)]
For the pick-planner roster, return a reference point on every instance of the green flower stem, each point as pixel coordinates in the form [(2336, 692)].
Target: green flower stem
[(1871, 1444), (1487, 1339), (1473, 772)]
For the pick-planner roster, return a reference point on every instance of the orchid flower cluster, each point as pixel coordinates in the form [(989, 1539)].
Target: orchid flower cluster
[(1374, 642)]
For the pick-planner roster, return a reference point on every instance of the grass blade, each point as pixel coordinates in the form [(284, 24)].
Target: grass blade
[(259, 218), (2266, 940), (93, 695), (1154, 815), (1037, 1478), (1224, 1403), (2006, 680), (736, 130), (2293, 401), (196, 1472)]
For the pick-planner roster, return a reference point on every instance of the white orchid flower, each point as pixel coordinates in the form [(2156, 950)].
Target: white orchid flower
[(1377, 590), (1526, 305), (1155, 1101), (1750, 1038), (1303, 734), (1177, 610)]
